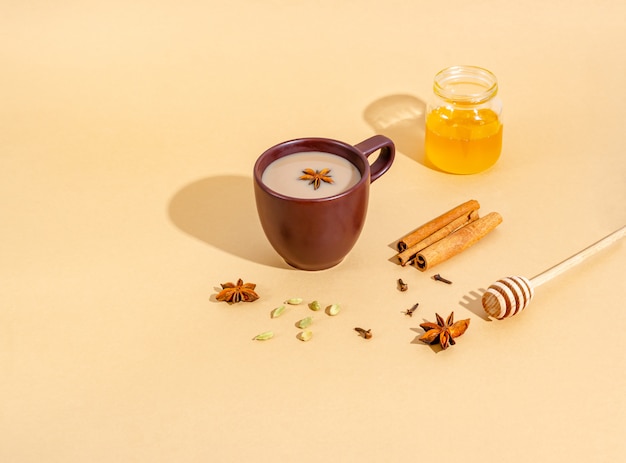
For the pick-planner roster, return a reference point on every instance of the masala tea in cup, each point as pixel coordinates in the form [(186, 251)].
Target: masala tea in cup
[(312, 195)]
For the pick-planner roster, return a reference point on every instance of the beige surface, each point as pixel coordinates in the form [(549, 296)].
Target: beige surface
[(128, 131)]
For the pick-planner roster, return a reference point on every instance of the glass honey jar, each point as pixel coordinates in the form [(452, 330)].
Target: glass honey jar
[(463, 121)]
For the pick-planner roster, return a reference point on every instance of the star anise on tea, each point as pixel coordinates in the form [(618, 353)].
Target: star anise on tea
[(443, 332), (316, 177), (240, 292)]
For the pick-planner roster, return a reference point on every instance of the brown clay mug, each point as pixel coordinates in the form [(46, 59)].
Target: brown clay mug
[(315, 233)]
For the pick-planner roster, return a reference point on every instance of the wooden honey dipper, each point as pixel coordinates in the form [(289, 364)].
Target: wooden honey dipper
[(511, 295)]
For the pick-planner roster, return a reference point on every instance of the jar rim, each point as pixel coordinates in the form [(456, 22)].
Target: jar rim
[(465, 84)]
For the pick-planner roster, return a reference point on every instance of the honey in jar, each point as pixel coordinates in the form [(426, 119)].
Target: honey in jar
[(464, 121)]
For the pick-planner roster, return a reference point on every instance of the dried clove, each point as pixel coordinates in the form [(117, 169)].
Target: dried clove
[(438, 277), (366, 334), (410, 311), (402, 286)]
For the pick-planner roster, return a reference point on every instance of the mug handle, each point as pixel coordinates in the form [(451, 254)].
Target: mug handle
[(385, 158)]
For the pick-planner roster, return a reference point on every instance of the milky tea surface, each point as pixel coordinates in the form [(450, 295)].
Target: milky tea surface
[(283, 175)]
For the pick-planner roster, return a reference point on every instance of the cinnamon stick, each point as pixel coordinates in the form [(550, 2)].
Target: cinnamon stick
[(406, 256), (431, 227), (457, 242)]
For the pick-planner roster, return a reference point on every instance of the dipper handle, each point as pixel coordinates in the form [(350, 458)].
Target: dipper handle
[(511, 295), (578, 258)]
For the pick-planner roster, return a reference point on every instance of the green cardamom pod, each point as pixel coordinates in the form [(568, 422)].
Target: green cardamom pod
[(278, 311), (315, 306), (264, 336), (294, 301), (305, 335), (305, 322), (333, 309)]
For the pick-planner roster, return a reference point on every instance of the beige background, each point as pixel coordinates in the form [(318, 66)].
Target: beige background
[(128, 131)]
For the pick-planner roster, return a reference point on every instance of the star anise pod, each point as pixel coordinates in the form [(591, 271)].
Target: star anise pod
[(237, 292), (316, 177), (443, 332)]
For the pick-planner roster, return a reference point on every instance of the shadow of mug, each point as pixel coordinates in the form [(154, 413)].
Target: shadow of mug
[(401, 118), (220, 211)]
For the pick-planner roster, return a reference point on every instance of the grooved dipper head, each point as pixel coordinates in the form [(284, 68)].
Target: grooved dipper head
[(507, 296)]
